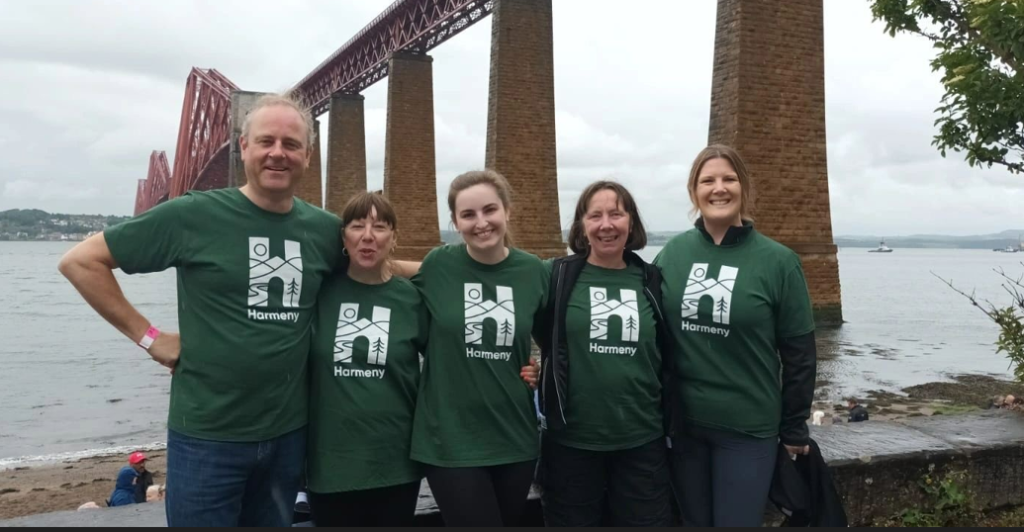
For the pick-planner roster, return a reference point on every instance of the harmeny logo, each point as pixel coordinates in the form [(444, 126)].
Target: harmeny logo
[(263, 268), (502, 311), (698, 286), (350, 329), (602, 309)]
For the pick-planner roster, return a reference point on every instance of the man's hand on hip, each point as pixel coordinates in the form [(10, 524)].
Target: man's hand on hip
[(166, 349)]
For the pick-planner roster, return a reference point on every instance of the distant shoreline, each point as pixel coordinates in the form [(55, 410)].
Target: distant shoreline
[(899, 246), (42, 240), (894, 244), (19, 462)]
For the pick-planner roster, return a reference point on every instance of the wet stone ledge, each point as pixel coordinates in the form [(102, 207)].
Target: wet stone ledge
[(877, 465)]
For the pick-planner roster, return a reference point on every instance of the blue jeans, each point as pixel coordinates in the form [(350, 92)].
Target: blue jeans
[(722, 478), (213, 483)]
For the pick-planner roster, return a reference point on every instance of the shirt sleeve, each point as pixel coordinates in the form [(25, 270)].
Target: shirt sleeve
[(545, 281), (423, 324), (419, 279), (549, 264), (152, 241), (660, 257), (794, 315), (339, 259), (541, 328)]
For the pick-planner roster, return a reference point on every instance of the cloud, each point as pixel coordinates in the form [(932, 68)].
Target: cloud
[(89, 89), (46, 190)]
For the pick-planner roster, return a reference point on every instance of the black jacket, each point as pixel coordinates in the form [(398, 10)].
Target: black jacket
[(142, 483), (858, 414), (799, 356), (554, 386), (803, 490)]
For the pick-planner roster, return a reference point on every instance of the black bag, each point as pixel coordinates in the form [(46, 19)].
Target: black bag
[(803, 490)]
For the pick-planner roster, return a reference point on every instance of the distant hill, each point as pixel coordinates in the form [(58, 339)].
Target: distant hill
[(993, 241)]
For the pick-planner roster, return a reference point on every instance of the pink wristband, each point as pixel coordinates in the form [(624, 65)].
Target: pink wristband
[(147, 341)]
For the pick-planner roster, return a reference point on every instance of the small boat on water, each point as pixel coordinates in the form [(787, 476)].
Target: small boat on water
[(1010, 249), (882, 248)]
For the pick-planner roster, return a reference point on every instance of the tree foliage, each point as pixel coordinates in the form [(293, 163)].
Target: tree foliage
[(980, 53), (1010, 320)]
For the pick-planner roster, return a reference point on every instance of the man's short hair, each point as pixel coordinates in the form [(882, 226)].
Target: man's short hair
[(288, 100)]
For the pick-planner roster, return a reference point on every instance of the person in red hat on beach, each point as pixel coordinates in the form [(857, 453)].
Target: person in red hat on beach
[(137, 459), (131, 480)]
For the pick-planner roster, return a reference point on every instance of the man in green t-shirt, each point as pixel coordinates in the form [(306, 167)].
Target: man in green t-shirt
[(250, 262)]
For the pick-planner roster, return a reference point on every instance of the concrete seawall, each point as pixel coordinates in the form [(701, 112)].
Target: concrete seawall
[(877, 467)]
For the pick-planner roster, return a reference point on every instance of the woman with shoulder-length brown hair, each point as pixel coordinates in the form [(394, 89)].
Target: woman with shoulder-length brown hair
[(740, 318), (604, 458)]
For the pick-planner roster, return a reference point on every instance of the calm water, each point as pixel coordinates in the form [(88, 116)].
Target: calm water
[(71, 383), (904, 326)]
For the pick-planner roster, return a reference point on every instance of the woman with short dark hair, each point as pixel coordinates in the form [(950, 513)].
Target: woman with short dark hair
[(604, 459), (365, 367)]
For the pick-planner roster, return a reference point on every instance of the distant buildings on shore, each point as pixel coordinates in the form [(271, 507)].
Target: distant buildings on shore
[(40, 226), (47, 237)]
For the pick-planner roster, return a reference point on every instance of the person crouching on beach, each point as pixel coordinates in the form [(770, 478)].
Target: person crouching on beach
[(130, 482)]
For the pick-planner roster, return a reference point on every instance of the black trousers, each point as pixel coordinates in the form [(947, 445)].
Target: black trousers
[(482, 496), (630, 487), (390, 506)]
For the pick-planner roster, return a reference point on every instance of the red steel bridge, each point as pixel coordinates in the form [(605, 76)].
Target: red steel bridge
[(410, 26), (767, 100)]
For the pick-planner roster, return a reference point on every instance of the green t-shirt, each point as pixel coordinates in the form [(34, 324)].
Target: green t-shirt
[(247, 287), (727, 306), (474, 409), (614, 398), (365, 376)]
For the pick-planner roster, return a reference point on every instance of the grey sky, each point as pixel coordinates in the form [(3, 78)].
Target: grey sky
[(89, 88)]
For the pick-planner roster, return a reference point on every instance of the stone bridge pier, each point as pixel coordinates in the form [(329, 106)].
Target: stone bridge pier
[(520, 137), (768, 102)]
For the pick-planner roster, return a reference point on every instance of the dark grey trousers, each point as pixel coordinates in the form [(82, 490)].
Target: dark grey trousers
[(722, 478)]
